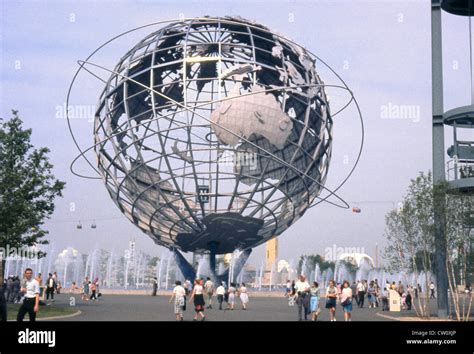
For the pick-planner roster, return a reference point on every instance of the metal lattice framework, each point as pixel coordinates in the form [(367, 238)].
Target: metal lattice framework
[(214, 131)]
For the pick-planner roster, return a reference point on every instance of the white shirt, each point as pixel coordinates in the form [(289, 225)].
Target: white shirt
[(198, 289), (432, 286), (179, 291), (361, 287), (220, 290), (32, 288), (208, 285), (50, 282), (302, 285)]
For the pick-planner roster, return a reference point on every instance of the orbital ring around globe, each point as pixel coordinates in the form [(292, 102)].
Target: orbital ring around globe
[(256, 92)]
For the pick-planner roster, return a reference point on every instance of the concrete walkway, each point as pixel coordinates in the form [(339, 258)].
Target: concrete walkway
[(148, 308)]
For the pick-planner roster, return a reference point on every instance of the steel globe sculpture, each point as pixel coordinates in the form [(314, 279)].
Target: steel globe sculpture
[(213, 135)]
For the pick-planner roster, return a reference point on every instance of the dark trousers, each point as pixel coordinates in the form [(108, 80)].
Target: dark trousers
[(303, 307), (385, 306), (27, 307), (220, 300), (93, 295), (361, 298), (432, 295), (155, 289), (49, 292)]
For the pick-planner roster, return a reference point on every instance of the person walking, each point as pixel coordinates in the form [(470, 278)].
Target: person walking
[(31, 292), (432, 291), (346, 301), (354, 291), (377, 292), (331, 298), (16, 290), (220, 291), (302, 300), (231, 299), (371, 295), (50, 286), (209, 287), (198, 296), (93, 288), (408, 299), (288, 287), (314, 301), (385, 298), (292, 294), (401, 288), (56, 282), (179, 296), (244, 296), (361, 288), (155, 287), (39, 279), (9, 285), (86, 289)]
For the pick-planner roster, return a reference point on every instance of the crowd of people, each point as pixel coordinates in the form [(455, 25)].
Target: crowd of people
[(13, 287), (25, 291), (90, 289), (201, 291), (30, 292), (307, 296)]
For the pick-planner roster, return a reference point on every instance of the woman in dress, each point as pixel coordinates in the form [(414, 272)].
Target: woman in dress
[(244, 297), (371, 294), (231, 291), (198, 296), (314, 301), (346, 300), (331, 297)]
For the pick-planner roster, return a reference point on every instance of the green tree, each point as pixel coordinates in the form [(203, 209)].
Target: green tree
[(410, 237), (27, 188)]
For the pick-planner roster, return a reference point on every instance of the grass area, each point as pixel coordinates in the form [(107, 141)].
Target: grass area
[(44, 311)]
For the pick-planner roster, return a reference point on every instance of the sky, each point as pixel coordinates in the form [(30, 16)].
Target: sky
[(381, 49)]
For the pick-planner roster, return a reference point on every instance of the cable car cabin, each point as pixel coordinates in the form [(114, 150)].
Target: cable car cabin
[(79, 226)]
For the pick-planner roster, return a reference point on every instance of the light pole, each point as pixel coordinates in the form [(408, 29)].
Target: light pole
[(438, 158)]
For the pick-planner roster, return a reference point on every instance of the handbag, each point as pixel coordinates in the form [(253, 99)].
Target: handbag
[(182, 303), (346, 302)]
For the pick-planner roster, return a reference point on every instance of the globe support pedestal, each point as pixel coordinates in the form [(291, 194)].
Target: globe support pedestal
[(189, 273)]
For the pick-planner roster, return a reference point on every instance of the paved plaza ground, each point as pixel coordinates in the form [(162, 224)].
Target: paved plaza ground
[(148, 308)]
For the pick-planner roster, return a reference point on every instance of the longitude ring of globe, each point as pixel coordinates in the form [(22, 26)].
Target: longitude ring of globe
[(188, 108)]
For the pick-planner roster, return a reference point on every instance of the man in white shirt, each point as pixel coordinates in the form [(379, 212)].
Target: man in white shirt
[(220, 291), (432, 291), (50, 285), (31, 291), (361, 293), (302, 289)]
